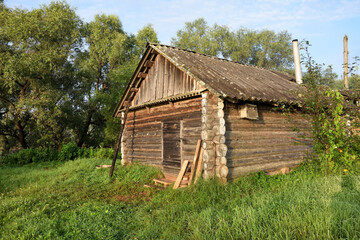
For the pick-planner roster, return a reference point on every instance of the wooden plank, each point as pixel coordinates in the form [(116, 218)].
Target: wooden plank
[(181, 174), (149, 63), (166, 78), (134, 89), (154, 81), (171, 80), (199, 167), (161, 77), (142, 75), (181, 140), (196, 156)]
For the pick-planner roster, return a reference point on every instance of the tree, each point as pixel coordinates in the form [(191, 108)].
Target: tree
[(103, 71), (262, 48), (120, 76), (36, 47)]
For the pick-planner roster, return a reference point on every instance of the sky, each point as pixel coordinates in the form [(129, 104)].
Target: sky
[(321, 22)]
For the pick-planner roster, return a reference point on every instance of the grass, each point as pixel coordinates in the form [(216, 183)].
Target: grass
[(73, 200)]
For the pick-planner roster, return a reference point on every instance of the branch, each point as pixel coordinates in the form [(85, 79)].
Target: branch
[(21, 85), (7, 101)]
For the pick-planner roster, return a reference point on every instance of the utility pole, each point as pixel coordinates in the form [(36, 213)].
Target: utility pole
[(346, 63)]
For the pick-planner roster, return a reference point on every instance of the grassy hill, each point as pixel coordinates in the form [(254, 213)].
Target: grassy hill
[(73, 200)]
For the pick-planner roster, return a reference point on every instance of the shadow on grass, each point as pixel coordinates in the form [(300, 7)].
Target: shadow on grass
[(345, 205)]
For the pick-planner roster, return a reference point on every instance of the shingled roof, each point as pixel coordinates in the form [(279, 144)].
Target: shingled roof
[(227, 79)]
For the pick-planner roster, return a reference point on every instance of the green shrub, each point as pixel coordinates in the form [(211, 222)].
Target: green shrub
[(30, 155), (68, 151)]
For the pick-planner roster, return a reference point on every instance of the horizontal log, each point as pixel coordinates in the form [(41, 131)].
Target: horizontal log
[(143, 158), (258, 134), (203, 102), (208, 111), (220, 104), (188, 150), (143, 134), (143, 147), (176, 164), (141, 140), (193, 123), (251, 160), (208, 155), (244, 153), (171, 116), (208, 174), (205, 118), (207, 135), (222, 121), (209, 126), (130, 153), (221, 171), (266, 144), (191, 135), (193, 102), (130, 124), (222, 130), (235, 172), (221, 150), (207, 145), (268, 120), (191, 140), (219, 139), (266, 127), (220, 113), (220, 161), (208, 166)]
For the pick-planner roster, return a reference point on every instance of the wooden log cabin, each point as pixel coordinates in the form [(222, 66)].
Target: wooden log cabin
[(176, 97)]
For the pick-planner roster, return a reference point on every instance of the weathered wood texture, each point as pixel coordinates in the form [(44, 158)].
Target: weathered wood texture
[(163, 135), (163, 80), (267, 143), (213, 138)]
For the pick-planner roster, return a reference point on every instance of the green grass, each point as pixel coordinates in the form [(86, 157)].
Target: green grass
[(73, 200)]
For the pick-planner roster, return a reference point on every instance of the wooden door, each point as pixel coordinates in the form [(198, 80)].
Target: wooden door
[(171, 147)]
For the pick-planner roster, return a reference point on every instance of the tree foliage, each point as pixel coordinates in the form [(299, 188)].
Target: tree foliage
[(60, 78), (35, 71), (262, 48), (333, 121)]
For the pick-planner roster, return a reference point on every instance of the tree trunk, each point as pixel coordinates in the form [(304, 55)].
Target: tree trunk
[(85, 129), (21, 132), (5, 145)]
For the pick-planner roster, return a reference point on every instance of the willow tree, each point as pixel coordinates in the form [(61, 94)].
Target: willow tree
[(36, 47)]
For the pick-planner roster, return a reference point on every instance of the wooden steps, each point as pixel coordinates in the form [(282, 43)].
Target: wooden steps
[(164, 181), (190, 170)]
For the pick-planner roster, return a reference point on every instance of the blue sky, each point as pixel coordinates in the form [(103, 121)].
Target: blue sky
[(322, 22)]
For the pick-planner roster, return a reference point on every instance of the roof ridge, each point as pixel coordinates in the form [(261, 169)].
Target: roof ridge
[(221, 59)]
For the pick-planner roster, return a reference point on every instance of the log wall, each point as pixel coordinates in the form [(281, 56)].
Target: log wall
[(163, 135), (267, 143), (213, 137), (163, 80)]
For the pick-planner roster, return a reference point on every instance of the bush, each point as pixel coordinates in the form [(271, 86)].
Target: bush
[(30, 155), (336, 149), (68, 151)]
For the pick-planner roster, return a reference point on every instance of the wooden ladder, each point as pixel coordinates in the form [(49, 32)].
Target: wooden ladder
[(187, 172)]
